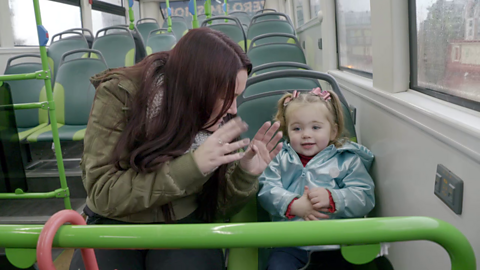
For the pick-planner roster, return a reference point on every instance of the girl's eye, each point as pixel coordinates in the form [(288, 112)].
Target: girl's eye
[(296, 129), (316, 127)]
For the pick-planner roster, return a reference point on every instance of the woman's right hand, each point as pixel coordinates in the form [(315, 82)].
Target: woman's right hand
[(217, 149)]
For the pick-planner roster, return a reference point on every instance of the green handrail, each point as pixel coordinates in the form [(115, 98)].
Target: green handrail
[(195, 17), (208, 9), (169, 19), (131, 15), (44, 74), (262, 234)]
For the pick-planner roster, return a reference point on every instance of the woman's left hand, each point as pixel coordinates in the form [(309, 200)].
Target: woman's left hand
[(262, 149)]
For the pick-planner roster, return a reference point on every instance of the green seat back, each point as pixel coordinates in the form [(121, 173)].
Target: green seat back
[(160, 42), (280, 84), (270, 27), (145, 28), (27, 91), (67, 41), (275, 66), (73, 91), (242, 16), (282, 52), (267, 17), (233, 31), (118, 48), (179, 28)]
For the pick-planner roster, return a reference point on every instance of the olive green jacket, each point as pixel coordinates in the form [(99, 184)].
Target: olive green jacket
[(135, 197)]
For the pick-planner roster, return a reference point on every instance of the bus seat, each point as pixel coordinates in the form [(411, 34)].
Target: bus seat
[(268, 27), (117, 47), (27, 91), (160, 40), (280, 84), (86, 33), (242, 16), (67, 41), (145, 28), (73, 95), (273, 38), (140, 49), (278, 66), (275, 52), (271, 16), (256, 109), (233, 31), (180, 29), (179, 26)]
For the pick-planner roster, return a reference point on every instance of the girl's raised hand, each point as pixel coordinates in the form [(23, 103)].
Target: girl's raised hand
[(262, 149), (217, 149)]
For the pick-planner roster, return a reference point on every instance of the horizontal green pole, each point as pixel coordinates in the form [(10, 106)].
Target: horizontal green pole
[(37, 195), (33, 105), (17, 77), (266, 234)]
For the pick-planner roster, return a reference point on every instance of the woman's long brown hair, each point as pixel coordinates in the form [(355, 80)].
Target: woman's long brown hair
[(200, 70)]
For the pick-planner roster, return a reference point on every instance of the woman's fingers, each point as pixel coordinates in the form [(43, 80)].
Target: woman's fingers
[(231, 147), (231, 158), (231, 130)]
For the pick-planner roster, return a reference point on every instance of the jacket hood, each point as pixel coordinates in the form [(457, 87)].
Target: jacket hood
[(125, 81)]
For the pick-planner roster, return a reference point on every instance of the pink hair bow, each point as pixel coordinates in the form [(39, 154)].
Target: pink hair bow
[(323, 94), (294, 95)]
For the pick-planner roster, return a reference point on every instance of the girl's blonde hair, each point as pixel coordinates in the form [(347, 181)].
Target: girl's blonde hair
[(332, 103)]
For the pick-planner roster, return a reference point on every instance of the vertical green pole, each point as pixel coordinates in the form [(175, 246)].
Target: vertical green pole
[(226, 8), (208, 9), (195, 19), (131, 15), (169, 20), (51, 103)]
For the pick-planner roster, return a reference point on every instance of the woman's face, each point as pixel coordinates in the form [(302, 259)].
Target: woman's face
[(242, 77)]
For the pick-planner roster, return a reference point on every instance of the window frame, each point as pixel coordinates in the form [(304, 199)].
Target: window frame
[(412, 29), (109, 8), (358, 72)]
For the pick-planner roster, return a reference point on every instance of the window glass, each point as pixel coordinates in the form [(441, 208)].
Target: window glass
[(314, 8), (136, 10), (299, 12), (101, 20), (23, 20), (354, 35), (448, 47), (113, 2)]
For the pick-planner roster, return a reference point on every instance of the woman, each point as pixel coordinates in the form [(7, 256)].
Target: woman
[(157, 149)]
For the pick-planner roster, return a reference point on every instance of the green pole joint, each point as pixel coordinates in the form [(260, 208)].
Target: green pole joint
[(208, 9), (195, 18), (62, 193), (132, 18), (19, 191), (50, 105), (42, 74)]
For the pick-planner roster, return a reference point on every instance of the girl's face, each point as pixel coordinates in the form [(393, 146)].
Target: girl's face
[(308, 128), (242, 77)]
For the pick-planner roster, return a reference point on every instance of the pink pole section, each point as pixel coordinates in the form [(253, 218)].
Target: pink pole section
[(45, 241)]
